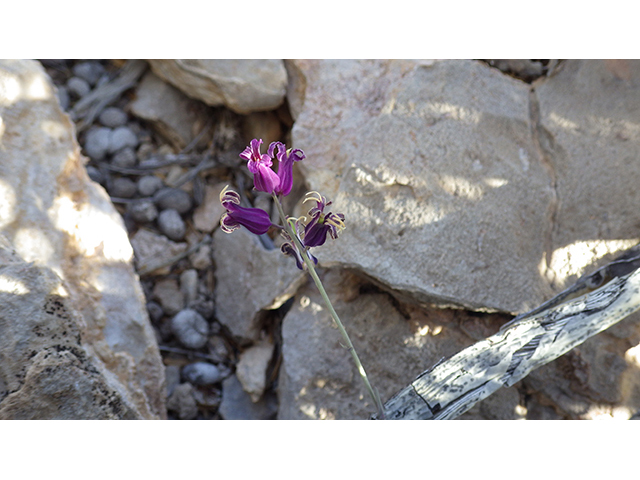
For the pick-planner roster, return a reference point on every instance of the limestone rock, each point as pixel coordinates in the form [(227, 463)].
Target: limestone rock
[(395, 341), (206, 216), (244, 86), (56, 217), (237, 405), (589, 134), (437, 172), (252, 369), (169, 111), (46, 370), (249, 279), (152, 250)]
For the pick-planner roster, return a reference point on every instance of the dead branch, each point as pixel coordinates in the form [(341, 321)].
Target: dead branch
[(593, 304)]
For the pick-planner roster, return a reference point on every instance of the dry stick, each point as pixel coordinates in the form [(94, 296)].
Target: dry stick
[(453, 386)]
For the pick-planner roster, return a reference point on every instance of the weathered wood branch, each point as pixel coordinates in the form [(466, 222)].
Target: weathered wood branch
[(593, 304)]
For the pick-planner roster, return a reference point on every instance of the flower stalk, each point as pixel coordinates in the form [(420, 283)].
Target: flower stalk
[(300, 236), (323, 293)]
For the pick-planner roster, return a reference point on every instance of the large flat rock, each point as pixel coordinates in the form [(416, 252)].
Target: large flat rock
[(438, 173)]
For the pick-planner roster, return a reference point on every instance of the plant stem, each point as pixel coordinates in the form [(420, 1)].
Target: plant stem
[(312, 271)]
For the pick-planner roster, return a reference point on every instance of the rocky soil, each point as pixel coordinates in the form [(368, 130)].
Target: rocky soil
[(241, 333)]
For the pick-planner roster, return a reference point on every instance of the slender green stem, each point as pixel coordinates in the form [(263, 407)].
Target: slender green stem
[(312, 272)]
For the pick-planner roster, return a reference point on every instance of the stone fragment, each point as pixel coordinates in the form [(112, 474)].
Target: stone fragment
[(123, 187), (125, 158), (237, 405), (148, 185), (122, 137), (207, 215), (57, 218), (153, 250), (170, 111), (171, 224), (89, 71), (244, 86), (175, 198), (112, 117), (189, 285), (172, 374), (252, 369), (182, 402), (78, 87), (96, 143), (201, 373), (142, 210), (167, 293), (190, 329), (250, 279)]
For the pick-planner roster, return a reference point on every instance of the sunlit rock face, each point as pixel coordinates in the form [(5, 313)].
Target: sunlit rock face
[(462, 185), (54, 216), (437, 172)]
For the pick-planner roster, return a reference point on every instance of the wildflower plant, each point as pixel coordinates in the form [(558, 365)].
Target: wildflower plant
[(301, 234)]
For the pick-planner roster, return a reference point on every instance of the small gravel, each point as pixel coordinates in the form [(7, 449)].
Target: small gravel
[(96, 143), (122, 137), (123, 187), (148, 185), (190, 329), (171, 224), (201, 373), (143, 211), (112, 117), (78, 87), (125, 158), (174, 198), (89, 71)]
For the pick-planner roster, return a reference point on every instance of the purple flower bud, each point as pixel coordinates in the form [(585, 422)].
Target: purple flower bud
[(255, 220), (264, 178), (315, 232)]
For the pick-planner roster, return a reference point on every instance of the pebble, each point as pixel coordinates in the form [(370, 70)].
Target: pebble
[(125, 158), (112, 117), (148, 185), (143, 211), (167, 293), (123, 187), (189, 285), (190, 328), (182, 402), (201, 373), (89, 71), (237, 405), (96, 143), (78, 87), (155, 311), (122, 137), (171, 224), (174, 198)]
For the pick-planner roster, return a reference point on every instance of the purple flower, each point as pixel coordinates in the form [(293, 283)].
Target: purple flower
[(315, 232), (286, 158), (255, 220), (264, 178)]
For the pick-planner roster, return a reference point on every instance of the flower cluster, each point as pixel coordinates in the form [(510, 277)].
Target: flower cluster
[(308, 234)]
